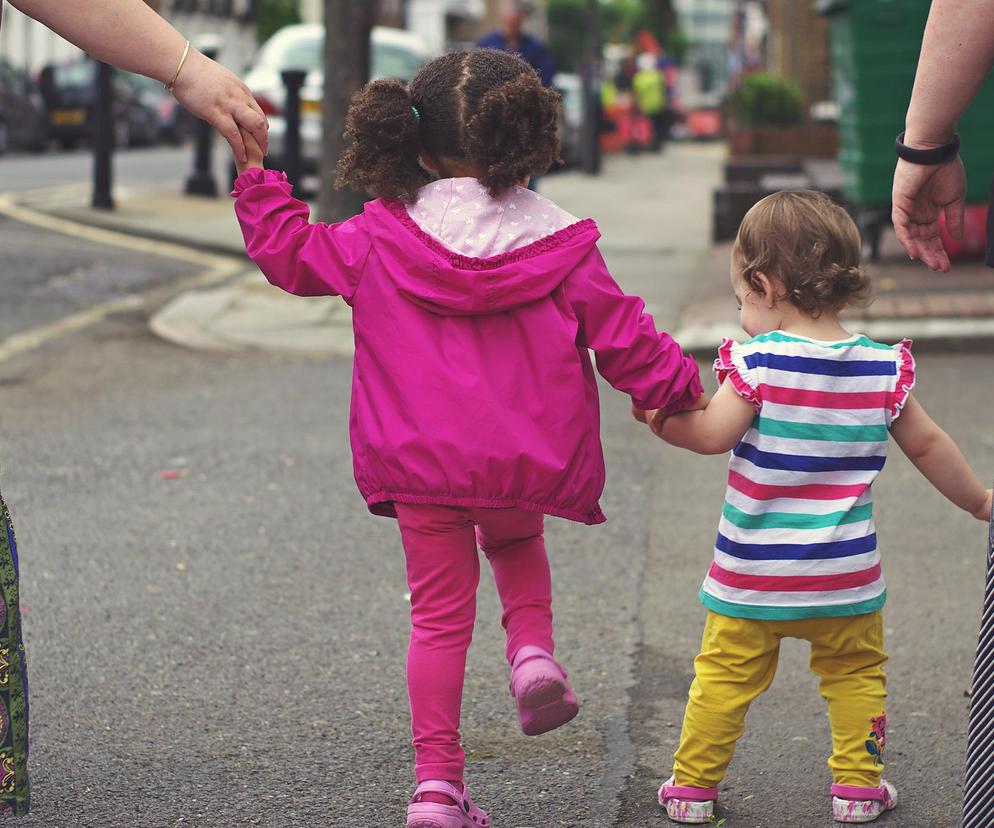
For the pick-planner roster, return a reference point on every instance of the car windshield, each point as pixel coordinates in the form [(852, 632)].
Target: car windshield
[(74, 74), (394, 62), (306, 52), (293, 53)]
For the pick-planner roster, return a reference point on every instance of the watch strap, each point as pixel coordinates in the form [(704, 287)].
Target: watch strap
[(936, 155)]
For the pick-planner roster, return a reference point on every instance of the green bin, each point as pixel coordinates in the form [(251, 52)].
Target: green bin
[(875, 46)]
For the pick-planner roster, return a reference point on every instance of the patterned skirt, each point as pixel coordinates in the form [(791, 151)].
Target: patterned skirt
[(14, 788)]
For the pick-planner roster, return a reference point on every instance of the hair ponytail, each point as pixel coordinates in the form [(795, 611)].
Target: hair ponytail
[(514, 132), (383, 158)]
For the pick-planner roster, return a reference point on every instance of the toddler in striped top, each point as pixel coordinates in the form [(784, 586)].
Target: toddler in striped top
[(805, 409)]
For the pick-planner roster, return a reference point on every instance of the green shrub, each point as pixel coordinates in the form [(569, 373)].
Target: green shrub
[(764, 99)]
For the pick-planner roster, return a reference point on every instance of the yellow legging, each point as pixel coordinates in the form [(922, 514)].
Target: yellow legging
[(737, 662)]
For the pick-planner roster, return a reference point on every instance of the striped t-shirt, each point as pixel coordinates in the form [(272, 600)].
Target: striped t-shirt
[(796, 537)]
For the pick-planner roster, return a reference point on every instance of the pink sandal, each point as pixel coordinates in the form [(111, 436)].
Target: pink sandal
[(853, 803), (691, 806), (435, 815), (544, 698)]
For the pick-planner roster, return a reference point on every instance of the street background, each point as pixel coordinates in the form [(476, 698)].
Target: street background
[(215, 625)]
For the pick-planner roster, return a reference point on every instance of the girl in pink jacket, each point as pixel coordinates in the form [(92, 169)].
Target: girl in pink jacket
[(474, 403)]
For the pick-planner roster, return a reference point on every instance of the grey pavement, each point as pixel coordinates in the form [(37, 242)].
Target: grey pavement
[(216, 626)]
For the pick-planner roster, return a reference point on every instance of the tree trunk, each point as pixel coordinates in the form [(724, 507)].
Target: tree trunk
[(346, 69)]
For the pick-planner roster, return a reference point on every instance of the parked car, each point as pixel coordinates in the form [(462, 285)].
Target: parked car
[(70, 92), (22, 113), (394, 54)]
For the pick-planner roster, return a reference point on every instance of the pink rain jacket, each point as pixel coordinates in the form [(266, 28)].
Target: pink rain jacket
[(472, 383)]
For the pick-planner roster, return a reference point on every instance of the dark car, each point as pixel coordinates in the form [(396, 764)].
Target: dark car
[(22, 113), (70, 94), (173, 123)]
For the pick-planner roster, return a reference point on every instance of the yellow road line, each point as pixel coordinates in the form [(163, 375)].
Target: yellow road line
[(215, 269), (114, 238)]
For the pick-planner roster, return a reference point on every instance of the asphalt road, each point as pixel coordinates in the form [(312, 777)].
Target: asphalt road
[(216, 626), (140, 168), (47, 276)]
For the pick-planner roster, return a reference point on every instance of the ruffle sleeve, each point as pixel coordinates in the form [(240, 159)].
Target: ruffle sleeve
[(730, 366), (905, 380)]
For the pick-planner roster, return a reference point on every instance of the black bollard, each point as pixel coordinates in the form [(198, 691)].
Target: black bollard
[(103, 138), (201, 181), (293, 80)]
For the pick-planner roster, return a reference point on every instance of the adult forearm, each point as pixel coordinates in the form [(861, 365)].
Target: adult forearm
[(143, 41), (957, 53), (945, 467)]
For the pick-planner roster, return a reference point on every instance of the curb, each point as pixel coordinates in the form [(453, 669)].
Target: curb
[(250, 314), (952, 333), (109, 222)]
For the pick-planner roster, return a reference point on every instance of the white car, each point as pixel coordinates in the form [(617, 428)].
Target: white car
[(394, 53)]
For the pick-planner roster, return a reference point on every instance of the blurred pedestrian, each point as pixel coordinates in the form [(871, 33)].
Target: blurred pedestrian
[(474, 408), (956, 57), (649, 88), (510, 36), (806, 408), (131, 36)]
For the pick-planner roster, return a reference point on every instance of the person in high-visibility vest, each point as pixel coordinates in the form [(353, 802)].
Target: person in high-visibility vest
[(649, 87)]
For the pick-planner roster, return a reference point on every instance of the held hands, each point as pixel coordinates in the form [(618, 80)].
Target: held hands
[(656, 417), (920, 194), (253, 154), (217, 96)]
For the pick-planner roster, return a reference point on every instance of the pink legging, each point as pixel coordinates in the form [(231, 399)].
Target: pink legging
[(443, 571)]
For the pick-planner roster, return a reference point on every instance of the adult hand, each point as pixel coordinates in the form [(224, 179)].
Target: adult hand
[(921, 193), (213, 93)]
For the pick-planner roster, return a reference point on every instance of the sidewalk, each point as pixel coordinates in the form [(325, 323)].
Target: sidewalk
[(943, 309)]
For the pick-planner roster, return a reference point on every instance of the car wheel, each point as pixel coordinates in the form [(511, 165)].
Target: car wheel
[(4, 138), (68, 143)]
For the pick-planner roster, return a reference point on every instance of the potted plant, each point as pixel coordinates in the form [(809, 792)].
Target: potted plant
[(768, 119)]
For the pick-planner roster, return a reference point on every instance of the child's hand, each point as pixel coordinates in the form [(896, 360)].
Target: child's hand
[(984, 512), (656, 420), (639, 414), (253, 154), (701, 402)]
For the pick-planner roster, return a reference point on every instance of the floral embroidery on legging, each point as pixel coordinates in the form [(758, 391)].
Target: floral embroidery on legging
[(878, 738)]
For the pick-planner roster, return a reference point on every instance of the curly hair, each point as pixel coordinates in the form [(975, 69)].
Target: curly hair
[(485, 108), (808, 243)]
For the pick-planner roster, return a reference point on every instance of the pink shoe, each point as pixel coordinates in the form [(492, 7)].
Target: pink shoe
[(852, 803), (435, 815), (544, 698), (691, 806)]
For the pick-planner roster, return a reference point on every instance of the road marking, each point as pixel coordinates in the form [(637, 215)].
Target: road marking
[(114, 238), (215, 269)]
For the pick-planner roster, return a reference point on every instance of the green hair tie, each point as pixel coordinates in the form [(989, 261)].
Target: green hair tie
[(417, 115)]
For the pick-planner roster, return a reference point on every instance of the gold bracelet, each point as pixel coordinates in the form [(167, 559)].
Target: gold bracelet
[(169, 86)]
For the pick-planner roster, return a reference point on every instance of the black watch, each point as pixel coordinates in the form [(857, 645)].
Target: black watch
[(936, 155)]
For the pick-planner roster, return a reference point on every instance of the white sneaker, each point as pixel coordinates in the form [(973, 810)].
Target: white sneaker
[(691, 806), (856, 804)]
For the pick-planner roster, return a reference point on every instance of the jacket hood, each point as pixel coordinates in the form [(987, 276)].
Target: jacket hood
[(448, 283)]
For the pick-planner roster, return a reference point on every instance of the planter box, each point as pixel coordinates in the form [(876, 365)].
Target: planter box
[(805, 141)]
